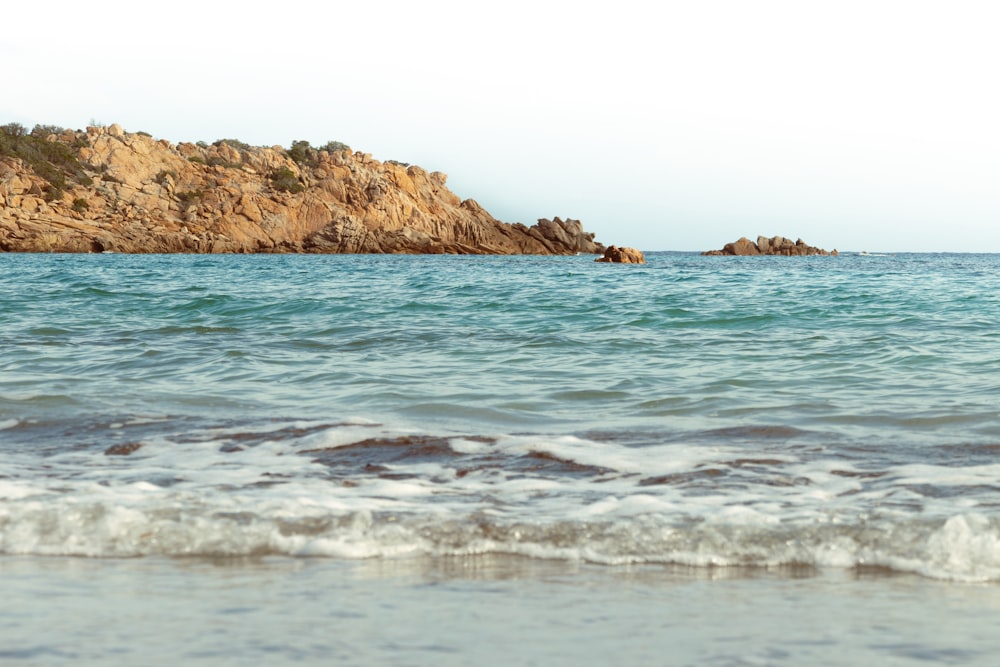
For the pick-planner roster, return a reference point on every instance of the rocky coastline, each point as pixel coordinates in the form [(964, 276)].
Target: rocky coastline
[(107, 190), (775, 245)]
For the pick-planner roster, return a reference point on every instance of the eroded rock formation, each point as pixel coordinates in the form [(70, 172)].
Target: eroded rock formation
[(134, 193), (776, 245)]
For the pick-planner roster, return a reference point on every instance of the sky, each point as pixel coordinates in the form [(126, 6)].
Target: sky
[(664, 125)]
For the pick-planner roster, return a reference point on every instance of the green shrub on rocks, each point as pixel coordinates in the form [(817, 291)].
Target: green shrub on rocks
[(189, 197), (302, 153), (285, 180), (13, 130), (43, 131), (235, 143), (216, 161), (334, 147), (53, 161)]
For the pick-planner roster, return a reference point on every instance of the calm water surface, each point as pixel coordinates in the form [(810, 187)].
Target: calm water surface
[(411, 460)]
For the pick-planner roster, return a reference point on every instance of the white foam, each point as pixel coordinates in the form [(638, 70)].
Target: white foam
[(651, 460), (202, 498), (744, 516), (466, 446), (14, 490), (966, 545), (947, 475), (343, 435), (392, 518), (637, 504)]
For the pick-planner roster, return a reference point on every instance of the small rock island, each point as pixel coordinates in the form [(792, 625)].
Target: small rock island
[(615, 255), (776, 245)]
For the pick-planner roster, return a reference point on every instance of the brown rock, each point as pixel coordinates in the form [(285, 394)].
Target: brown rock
[(123, 449), (776, 245), (615, 255), (742, 247)]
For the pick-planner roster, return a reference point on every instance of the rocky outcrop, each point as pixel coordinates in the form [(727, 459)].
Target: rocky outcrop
[(614, 254), (133, 193), (776, 245)]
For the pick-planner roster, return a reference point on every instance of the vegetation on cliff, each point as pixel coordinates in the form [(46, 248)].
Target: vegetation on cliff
[(104, 189), (53, 161)]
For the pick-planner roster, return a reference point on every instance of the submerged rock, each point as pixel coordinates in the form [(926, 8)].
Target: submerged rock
[(123, 449), (776, 245)]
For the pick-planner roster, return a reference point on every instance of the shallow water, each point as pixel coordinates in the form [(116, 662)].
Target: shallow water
[(489, 610), (313, 419)]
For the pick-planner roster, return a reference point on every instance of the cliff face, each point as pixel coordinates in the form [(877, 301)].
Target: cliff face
[(133, 193)]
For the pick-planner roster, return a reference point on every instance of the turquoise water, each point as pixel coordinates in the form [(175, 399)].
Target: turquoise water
[(789, 424)]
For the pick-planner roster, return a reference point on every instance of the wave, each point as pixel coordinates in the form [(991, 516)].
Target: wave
[(356, 489), (964, 547)]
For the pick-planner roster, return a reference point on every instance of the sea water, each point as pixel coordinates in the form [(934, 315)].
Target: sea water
[(494, 460)]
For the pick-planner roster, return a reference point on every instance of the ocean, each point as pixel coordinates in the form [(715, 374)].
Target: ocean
[(453, 460)]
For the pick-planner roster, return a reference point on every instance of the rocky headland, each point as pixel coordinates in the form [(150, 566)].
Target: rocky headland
[(776, 245), (103, 189)]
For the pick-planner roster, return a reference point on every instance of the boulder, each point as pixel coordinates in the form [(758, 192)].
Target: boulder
[(615, 255), (742, 247), (569, 234)]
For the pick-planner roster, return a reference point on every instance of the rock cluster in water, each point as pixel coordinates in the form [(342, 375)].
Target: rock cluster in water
[(137, 194), (616, 255), (776, 245)]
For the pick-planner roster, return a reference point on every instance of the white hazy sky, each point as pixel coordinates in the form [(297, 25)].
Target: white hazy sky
[(868, 125)]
